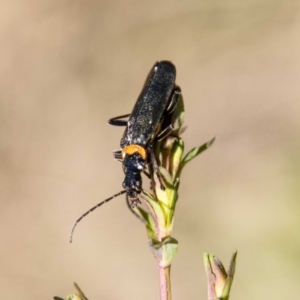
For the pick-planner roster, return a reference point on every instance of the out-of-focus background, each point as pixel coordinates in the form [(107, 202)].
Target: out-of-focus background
[(68, 66)]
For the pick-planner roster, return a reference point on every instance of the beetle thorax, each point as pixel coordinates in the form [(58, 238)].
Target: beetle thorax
[(134, 148)]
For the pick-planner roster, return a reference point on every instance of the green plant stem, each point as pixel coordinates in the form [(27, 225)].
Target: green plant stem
[(165, 283)]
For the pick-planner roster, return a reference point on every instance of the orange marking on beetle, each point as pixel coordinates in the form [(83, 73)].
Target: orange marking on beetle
[(131, 149)]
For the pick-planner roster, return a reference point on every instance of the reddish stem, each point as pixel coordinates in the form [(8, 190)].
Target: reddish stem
[(164, 283)]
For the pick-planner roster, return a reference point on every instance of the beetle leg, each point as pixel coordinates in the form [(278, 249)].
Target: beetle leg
[(155, 166), (117, 122), (173, 100), (117, 154), (167, 127), (147, 174), (163, 134)]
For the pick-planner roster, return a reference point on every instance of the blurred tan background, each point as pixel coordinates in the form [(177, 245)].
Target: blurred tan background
[(68, 66)]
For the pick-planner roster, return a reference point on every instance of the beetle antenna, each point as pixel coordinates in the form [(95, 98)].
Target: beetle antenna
[(92, 209)]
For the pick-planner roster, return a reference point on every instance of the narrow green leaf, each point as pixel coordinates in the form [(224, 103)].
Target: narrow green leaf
[(142, 214), (150, 225), (80, 292), (196, 151), (165, 175), (152, 204), (177, 153), (156, 209), (230, 275)]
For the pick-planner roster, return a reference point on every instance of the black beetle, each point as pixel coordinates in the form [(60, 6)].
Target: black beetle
[(145, 125)]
